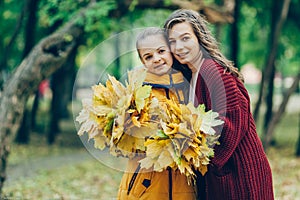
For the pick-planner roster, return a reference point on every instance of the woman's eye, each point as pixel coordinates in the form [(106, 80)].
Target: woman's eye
[(161, 51), (185, 38), (148, 57), (171, 42)]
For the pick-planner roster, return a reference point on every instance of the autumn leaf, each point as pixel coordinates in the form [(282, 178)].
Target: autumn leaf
[(100, 141), (117, 87), (140, 95), (136, 79), (160, 134), (209, 120)]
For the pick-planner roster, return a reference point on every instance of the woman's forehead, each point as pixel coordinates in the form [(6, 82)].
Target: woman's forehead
[(152, 42), (180, 29)]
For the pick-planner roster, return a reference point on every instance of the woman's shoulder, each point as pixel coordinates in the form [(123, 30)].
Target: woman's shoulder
[(210, 67), (212, 72)]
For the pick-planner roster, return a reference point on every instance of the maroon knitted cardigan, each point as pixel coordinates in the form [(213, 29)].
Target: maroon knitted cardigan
[(239, 169)]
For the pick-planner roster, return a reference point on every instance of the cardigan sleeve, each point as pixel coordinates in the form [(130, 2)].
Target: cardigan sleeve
[(224, 95)]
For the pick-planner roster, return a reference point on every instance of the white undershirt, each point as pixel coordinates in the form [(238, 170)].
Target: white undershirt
[(193, 83)]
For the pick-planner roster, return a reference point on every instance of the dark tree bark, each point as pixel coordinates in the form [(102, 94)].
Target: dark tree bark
[(25, 127), (31, 9), (269, 99), (118, 59), (35, 107), (298, 143), (61, 85), (235, 34), (30, 28), (274, 35), (271, 65)]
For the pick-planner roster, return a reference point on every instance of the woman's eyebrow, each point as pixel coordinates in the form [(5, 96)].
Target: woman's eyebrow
[(181, 35), (145, 54), (184, 34), (162, 47)]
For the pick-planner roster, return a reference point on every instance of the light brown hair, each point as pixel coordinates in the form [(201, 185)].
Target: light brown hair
[(150, 31), (205, 38)]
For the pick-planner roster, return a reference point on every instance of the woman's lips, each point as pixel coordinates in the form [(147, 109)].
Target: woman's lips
[(158, 66), (182, 55)]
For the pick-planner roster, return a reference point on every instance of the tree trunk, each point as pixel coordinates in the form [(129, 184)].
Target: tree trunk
[(31, 10), (117, 72), (35, 107), (45, 58), (276, 118), (235, 34), (275, 33), (271, 65), (259, 100), (298, 143), (269, 99), (23, 132), (61, 85)]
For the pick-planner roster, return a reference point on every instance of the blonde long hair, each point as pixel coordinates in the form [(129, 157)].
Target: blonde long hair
[(206, 40)]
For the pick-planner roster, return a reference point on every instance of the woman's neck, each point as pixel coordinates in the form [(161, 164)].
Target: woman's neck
[(196, 63)]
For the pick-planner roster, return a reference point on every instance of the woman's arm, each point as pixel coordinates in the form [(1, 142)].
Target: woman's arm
[(226, 98)]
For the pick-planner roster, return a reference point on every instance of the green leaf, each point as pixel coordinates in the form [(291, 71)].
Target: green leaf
[(161, 134)]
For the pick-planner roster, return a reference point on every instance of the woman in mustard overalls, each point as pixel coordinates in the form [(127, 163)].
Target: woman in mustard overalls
[(167, 83)]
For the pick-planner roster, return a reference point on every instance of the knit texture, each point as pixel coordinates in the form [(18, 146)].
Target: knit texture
[(239, 169)]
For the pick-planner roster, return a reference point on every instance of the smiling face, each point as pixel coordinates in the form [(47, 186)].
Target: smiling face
[(155, 54), (184, 44)]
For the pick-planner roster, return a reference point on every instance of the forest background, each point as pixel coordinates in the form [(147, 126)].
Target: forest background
[(44, 45)]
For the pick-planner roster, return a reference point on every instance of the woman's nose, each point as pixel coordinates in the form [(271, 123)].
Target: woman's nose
[(157, 57), (178, 45)]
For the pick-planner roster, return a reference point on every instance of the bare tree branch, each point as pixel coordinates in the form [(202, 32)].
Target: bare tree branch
[(276, 118)]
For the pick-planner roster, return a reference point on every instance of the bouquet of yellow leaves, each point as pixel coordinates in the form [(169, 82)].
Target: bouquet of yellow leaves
[(128, 120), (185, 140), (118, 116)]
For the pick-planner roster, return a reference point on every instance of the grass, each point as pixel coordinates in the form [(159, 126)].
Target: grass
[(90, 179)]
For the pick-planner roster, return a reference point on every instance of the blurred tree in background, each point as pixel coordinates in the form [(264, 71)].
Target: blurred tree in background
[(48, 39)]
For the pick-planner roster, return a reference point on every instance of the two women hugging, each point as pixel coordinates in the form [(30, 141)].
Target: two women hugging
[(187, 84)]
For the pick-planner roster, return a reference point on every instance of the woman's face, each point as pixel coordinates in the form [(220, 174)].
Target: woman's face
[(155, 54), (184, 44)]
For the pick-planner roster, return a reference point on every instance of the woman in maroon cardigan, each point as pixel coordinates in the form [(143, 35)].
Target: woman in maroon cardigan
[(239, 169)]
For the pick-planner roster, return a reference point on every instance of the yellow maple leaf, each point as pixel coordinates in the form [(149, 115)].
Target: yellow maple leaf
[(147, 162), (117, 87), (164, 160), (136, 78), (140, 95), (100, 141), (111, 94), (185, 167)]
